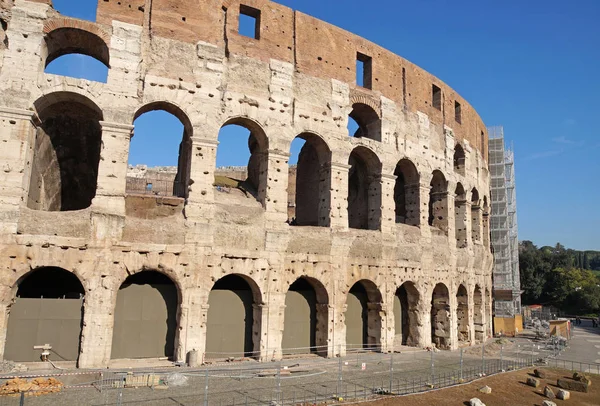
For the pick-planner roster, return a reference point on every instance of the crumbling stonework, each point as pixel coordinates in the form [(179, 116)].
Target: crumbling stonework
[(377, 225)]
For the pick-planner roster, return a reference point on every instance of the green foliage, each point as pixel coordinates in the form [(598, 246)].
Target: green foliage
[(565, 278)]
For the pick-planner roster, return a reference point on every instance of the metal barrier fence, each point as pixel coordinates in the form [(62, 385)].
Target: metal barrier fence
[(156, 187), (300, 381)]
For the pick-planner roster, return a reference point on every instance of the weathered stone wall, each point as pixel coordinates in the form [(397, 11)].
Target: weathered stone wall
[(191, 61)]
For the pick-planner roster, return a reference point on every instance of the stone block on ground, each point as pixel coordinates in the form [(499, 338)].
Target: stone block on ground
[(533, 382), (572, 385), (486, 389), (539, 373), (476, 402), (578, 376), (563, 394), (548, 392), (548, 403)]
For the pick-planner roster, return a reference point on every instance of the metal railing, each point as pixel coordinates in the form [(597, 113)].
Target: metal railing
[(155, 187)]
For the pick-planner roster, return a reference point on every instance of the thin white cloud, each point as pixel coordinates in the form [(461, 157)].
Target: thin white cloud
[(544, 154), (567, 141)]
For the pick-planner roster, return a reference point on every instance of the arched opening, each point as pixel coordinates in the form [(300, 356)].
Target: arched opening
[(64, 170), (306, 318), (364, 189), (462, 315), (489, 316), (476, 217), (309, 181), (242, 171), (363, 319), (364, 122), (76, 53), (486, 224), (406, 301), (406, 193), (478, 319), (145, 317), (440, 317), (460, 216), (160, 151), (48, 309), (459, 159), (233, 320), (438, 201)]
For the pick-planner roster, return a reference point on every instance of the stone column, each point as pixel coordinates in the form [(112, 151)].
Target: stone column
[(462, 230), (275, 197), (412, 196), (98, 324), (112, 170), (340, 330), (424, 190), (17, 132), (324, 339), (388, 205), (191, 323), (386, 315), (200, 197), (272, 328), (476, 223), (422, 330), (325, 195), (339, 196), (450, 222)]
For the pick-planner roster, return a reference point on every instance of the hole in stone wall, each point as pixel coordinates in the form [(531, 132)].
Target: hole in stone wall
[(249, 22), (457, 112), (242, 161), (309, 181), (436, 97), (160, 152), (459, 159), (363, 121), (364, 70), (78, 66)]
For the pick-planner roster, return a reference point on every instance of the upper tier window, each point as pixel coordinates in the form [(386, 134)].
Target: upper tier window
[(363, 70), (249, 22), (436, 97)]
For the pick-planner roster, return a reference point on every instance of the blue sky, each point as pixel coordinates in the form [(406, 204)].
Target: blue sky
[(531, 66)]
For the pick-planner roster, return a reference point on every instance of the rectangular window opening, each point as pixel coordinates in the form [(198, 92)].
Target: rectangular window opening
[(436, 97), (482, 141), (363, 70), (249, 22), (457, 115)]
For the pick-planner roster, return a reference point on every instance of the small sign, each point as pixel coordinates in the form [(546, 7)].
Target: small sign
[(363, 366)]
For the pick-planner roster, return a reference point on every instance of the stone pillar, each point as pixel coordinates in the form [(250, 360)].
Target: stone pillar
[(375, 325), (339, 196), (340, 330), (17, 132), (462, 228), (275, 198), (98, 324), (388, 205), (422, 331), (325, 195), (387, 331), (112, 170), (471, 307), (324, 329), (424, 190), (191, 323), (476, 223), (449, 224), (271, 320), (375, 203), (412, 196), (200, 195), (453, 302)]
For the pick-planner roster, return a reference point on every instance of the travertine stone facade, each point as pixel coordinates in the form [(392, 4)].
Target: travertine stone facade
[(297, 78)]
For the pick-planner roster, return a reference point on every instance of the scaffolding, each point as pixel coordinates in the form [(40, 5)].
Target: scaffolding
[(503, 226)]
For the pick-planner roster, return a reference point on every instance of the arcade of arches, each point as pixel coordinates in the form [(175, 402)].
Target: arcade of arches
[(49, 307)]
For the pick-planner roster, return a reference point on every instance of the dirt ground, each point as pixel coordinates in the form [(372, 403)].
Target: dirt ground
[(507, 389)]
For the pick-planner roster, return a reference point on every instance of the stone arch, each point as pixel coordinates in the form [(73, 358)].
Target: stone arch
[(64, 168), (64, 36), (438, 201), (363, 316), (47, 309), (476, 216), (460, 216), (306, 317), (478, 314), (254, 180), (462, 315), (179, 184), (311, 186), (406, 317), (364, 189), (459, 159), (440, 317), (233, 319), (367, 118), (146, 316), (407, 193)]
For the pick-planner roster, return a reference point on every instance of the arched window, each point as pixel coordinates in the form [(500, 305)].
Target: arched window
[(364, 122), (476, 217), (309, 181), (462, 315), (406, 193), (160, 151), (364, 189), (406, 317), (486, 224), (242, 162), (438, 201), (363, 318), (440, 317), (459, 159), (76, 52), (64, 170)]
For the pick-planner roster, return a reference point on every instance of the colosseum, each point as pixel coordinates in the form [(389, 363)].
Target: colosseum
[(377, 239)]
